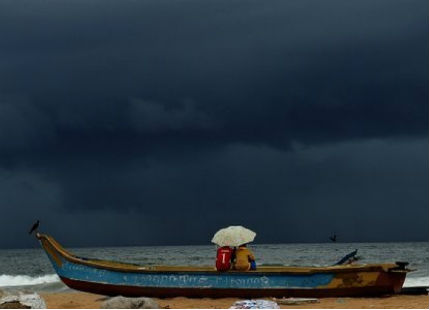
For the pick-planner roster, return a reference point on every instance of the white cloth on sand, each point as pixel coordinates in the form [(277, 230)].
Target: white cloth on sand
[(255, 304)]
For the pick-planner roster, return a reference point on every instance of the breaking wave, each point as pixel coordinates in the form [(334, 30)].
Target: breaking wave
[(417, 281), (22, 280)]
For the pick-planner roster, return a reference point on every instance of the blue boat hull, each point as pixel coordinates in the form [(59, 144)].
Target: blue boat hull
[(160, 292)]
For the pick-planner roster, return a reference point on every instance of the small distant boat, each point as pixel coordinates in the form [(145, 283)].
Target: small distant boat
[(114, 278)]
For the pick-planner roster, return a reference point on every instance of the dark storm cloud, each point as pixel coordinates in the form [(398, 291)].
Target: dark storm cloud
[(22, 125), (284, 196), (154, 107), (148, 117)]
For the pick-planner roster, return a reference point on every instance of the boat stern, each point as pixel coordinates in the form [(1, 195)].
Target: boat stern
[(381, 279), (394, 276)]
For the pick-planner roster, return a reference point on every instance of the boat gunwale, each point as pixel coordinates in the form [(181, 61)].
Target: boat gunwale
[(263, 270)]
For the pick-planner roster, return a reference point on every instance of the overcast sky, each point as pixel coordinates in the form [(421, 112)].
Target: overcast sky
[(159, 121)]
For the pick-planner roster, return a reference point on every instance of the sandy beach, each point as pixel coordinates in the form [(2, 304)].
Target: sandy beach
[(78, 300)]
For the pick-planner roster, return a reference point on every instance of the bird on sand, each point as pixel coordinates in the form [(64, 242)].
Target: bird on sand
[(35, 226)]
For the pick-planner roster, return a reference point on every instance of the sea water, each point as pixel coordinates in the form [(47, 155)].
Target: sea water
[(31, 268)]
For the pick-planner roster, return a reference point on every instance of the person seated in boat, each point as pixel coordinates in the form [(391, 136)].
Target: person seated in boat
[(224, 258), (244, 259)]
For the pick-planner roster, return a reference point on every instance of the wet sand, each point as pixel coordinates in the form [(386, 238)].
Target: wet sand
[(77, 300)]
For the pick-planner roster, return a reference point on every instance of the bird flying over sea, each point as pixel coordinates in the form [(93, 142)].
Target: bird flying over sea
[(35, 227)]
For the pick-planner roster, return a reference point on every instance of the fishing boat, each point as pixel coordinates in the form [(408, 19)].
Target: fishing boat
[(117, 278)]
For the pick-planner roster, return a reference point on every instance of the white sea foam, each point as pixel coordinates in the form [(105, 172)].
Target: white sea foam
[(21, 280), (417, 281)]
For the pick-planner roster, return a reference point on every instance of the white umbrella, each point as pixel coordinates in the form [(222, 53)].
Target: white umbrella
[(233, 236)]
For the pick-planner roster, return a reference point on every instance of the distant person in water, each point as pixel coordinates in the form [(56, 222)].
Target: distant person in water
[(224, 258), (244, 259)]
